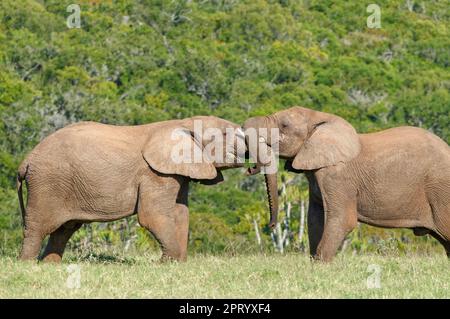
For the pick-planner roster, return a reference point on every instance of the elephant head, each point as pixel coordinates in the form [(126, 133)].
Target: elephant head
[(197, 147), (308, 139)]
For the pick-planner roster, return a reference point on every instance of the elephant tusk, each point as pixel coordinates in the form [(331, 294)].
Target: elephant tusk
[(240, 133)]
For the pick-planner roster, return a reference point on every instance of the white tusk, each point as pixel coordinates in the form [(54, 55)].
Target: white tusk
[(240, 133)]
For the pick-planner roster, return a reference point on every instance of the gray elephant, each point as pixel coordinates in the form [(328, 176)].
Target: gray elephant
[(92, 172), (398, 177)]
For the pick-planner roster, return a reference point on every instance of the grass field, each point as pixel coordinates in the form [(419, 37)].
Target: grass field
[(255, 276)]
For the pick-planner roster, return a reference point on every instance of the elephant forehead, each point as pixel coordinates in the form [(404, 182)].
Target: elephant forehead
[(292, 116)]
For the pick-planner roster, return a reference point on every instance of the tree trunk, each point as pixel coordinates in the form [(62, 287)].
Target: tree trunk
[(301, 230), (258, 235)]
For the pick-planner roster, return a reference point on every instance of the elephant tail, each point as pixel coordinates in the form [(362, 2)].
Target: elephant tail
[(21, 175)]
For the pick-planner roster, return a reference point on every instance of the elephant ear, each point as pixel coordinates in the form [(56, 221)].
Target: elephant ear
[(175, 150), (330, 140)]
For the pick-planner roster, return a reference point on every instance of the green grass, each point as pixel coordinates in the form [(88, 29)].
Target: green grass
[(254, 276)]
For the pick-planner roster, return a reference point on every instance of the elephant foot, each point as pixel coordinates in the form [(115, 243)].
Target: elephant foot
[(166, 258), (27, 259), (320, 258), (52, 258), (31, 246)]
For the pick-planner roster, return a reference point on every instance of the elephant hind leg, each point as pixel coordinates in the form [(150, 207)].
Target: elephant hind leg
[(58, 241), (31, 245), (33, 235), (38, 223)]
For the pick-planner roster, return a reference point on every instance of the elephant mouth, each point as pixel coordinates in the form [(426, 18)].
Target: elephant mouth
[(259, 165)]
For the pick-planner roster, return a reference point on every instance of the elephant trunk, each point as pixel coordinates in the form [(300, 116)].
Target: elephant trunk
[(272, 195), (259, 149)]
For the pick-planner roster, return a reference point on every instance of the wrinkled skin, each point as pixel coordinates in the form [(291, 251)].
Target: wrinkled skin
[(396, 178), (90, 172)]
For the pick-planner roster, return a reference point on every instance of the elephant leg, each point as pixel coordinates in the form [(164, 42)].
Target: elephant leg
[(182, 229), (182, 219), (161, 220), (33, 236), (315, 225), (162, 210), (31, 245), (58, 241), (163, 226), (444, 242), (334, 234), (39, 221), (340, 220)]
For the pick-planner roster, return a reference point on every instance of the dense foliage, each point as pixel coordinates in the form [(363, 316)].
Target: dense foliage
[(139, 61)]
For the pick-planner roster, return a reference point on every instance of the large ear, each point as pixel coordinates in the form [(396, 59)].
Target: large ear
[(330, 140), (175, 150)]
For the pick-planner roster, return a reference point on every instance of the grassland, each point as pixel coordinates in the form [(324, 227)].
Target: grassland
[(251, 276)]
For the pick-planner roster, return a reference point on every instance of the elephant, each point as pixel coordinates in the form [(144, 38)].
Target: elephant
[(395, 178), (92, 172)]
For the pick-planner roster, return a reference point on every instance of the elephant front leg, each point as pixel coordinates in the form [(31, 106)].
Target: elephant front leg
[(162, 210), (182, 229), (338, 223), (164, 227)]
